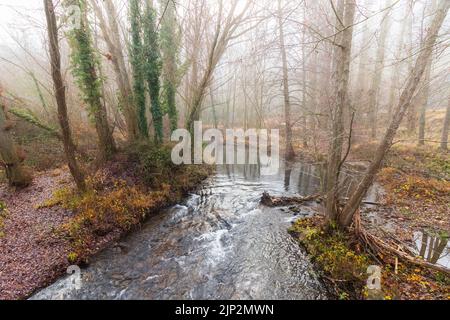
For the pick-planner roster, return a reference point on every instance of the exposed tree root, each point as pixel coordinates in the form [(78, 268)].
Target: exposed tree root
[(393, 247)]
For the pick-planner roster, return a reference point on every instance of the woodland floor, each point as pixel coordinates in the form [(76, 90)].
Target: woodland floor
[(31, 256)]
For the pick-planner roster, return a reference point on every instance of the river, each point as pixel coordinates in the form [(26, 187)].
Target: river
[(219, 244)]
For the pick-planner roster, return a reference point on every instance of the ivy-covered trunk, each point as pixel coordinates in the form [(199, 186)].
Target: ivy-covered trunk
[(153, 68), (137, 65), (85, 71), (169, 48)]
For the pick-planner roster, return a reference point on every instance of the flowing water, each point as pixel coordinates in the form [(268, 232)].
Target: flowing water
[(219, 244)]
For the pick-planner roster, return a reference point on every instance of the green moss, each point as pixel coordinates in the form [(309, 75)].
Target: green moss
[(72, 257), (332, 254)]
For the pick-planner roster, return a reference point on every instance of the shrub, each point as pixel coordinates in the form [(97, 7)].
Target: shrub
[(331, 252)]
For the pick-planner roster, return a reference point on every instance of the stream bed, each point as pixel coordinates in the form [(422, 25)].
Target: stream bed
[(219, 244)]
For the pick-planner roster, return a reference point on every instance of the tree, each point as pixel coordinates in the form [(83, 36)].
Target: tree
[(396, 72), (289, 152), (137, 64), (152, 58), (345, 14), (426, 50), (374, 91), (170, 47), (424, 94), (85, 70), (60, 94), (225, 31), (111, 35), (15, 173)]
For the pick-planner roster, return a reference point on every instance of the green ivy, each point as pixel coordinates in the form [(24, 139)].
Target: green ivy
[(153, 68), (136, 60), (170, 44), (84, 61)]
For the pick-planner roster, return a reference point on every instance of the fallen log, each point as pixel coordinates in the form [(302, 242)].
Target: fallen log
[(273, 201)]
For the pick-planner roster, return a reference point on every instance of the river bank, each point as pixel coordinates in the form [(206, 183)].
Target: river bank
[(219, 243), (412, 211), (47, 226)]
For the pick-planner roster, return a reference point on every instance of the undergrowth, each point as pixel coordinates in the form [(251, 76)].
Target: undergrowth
[(342, 262), (115, 204), (343, 268)]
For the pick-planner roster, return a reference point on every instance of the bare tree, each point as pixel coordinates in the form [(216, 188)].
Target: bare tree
[(346, 216), (345, 15), (225, 31), (374, 91), (445, 128), (424, 93)]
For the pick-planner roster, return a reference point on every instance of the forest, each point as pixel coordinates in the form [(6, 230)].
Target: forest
[(224, 149)]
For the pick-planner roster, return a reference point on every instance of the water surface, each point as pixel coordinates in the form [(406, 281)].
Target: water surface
[(219, 244)]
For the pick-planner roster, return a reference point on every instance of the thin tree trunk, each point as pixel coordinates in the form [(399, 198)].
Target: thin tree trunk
[(60, 94), (346, 13), (289, 152), (423, 102), (445, 127), (425, 92), (214, 113), (414, 79), (378, 73), (396, 73), (304, 86)]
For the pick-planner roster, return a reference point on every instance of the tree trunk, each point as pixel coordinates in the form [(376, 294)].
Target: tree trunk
[(396, 73), (378, 73), (304, 86), (346, 13), (423, 103), (60, 94), (10, 160), (289, 149), (112, 38), (445, 127), (414, 79), (170, 49)]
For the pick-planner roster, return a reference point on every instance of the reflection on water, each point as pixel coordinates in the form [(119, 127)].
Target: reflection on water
[(220, 243), (433, 248)]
